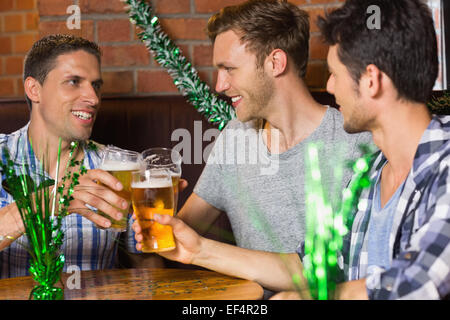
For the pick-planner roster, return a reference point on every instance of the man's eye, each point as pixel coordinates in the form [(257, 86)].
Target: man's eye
[(73, 82)]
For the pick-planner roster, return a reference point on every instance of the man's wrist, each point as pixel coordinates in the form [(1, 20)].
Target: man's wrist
[(200, 257)]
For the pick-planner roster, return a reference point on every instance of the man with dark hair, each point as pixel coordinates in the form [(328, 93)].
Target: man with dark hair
[(62, 81), (398, 247), (261, 52)]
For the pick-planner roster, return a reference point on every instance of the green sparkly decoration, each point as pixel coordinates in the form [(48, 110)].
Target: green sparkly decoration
[(326, 227), (184, 75), (440, 105), (42, 219)]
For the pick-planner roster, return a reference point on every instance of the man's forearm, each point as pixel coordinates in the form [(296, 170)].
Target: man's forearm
[(273, 271), (352, 290), (11, 226)]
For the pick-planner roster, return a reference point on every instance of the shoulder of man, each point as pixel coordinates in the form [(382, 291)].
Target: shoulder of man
[(9, 139), (359, 138)]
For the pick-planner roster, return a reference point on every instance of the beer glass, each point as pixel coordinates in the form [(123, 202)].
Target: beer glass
[(152, 192), (165, 158), (120, 163)]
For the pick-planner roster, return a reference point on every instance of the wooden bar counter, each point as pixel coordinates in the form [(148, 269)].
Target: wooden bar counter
[(142, 284)]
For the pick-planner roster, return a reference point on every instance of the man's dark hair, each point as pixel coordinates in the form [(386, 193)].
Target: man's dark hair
[(265, 25), (41, 58), (404, 47)]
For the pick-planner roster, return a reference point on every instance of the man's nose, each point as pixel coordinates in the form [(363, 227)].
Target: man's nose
[(223, 82), (90, 95)]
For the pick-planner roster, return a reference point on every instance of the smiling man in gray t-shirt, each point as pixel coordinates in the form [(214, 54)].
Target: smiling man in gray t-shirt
[(256, 173), (262, 193)]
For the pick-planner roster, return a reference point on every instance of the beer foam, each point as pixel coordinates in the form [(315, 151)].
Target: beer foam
[(152, 184), (113, 165)]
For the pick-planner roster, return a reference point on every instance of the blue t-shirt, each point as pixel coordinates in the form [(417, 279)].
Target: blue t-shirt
[(380, 227)]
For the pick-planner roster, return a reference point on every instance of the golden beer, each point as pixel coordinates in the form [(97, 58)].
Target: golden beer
[(122, 172), (150, 197), (175, 181), (165, 158)]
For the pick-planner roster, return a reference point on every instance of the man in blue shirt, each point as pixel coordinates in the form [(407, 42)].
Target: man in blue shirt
[(399, 244), (62, 81)]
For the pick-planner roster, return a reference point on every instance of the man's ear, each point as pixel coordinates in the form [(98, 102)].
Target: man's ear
[(32, 89), (276, 62), (372, 81)]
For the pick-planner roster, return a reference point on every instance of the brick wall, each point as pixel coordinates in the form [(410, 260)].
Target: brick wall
[(128, 68), (18, 30)]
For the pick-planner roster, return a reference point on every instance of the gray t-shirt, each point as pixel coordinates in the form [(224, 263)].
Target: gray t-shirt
[(263, 193)]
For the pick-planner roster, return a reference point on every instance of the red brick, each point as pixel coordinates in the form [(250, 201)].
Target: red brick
[(172, 6), (316, 75), (7, 87), (25, 4), (317, 48), (14, 65), (214, 78), (208, 6), (13, 23), (313, 14), (126, 55), (117, 82), (32, 21), (186, 29), (23, 42), (52, 27), (5, 45), (203, 55), (206, 76), (155, 81), (20, 92), (53, 7), (113, 30), (6, 5), (102, 6)]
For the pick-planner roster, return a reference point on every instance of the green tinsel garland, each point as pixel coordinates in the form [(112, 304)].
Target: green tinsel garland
[(42, 218), (184, 75)]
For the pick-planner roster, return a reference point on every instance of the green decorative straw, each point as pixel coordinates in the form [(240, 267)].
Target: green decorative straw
[(184, 75), (325, 228)]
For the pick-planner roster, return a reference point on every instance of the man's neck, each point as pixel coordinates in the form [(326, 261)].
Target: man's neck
[(398, 134), (295, 114), (46, 148)]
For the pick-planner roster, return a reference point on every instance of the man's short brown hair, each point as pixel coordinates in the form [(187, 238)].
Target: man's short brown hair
[(265, 25)]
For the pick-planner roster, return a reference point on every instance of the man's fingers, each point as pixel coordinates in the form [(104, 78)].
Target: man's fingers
[(105, 178), (164, 219), (94, 217), (97, 202), (182, 184), (102, 192), (136, 227)]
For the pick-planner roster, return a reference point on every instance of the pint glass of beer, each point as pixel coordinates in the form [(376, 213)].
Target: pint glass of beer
[(165, 158), (120, 163), (152, 192)]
